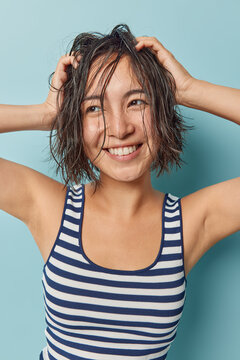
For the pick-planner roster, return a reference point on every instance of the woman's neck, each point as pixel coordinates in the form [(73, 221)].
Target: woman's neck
[(123, 199)]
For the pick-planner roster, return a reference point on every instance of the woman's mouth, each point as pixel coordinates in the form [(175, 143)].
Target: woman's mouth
[(124, 154)]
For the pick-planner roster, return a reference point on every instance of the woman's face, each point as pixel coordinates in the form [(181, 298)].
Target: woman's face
[(124, 126)]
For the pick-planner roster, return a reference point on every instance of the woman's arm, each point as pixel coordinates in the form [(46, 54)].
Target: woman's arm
[(18, 183), (217, 204), (22, 117), (40, 116), (198, 94), (218, 100)]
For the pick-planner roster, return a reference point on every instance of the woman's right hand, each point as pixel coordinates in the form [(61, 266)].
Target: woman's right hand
[(58, 79)]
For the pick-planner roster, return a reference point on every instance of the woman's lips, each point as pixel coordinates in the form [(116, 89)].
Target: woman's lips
[(125, 157)]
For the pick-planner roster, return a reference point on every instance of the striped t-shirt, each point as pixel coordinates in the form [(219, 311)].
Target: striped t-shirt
[(93, 312)]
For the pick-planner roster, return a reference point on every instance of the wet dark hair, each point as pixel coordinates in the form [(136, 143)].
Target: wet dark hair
[(157, 83)]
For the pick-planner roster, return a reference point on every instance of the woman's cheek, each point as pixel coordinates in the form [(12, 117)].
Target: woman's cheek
[(91, 136)]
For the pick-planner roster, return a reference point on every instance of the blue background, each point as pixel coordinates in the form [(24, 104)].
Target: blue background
[(204, 37)]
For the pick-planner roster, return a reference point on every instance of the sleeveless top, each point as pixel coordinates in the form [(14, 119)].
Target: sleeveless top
[(93, 312)]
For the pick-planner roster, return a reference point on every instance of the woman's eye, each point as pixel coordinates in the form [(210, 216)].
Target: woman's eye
[(143, 102), (89, 109)]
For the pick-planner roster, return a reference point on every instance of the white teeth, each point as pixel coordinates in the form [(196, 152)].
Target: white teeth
[(123, 151)]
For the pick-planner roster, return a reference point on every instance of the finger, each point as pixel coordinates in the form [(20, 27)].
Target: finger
[(60, 75), (149, 44), (150, 40), (75, 61), (67, 60), (64, 61), (147, 38), (155, 46), (78, 57)]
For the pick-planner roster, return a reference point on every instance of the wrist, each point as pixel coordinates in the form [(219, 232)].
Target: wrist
[(192, 92), (47, 115)]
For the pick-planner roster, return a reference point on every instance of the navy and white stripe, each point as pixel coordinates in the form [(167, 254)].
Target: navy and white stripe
[(104, 314)]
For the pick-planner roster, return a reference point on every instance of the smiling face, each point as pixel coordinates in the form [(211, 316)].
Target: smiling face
[(125, 106)]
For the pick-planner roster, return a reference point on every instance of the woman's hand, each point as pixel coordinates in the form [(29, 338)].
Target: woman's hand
[(182, 78), (58, 79), (219, 100)]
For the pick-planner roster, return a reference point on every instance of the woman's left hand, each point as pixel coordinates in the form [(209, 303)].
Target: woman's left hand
[(182, 77)]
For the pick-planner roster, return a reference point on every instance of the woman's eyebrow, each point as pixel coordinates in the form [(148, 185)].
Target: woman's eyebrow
[(128, 93)]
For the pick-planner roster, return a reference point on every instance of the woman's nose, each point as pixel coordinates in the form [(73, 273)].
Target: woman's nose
[(120, 126)]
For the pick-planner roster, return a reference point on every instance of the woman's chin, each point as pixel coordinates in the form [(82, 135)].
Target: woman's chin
[(122, 177)]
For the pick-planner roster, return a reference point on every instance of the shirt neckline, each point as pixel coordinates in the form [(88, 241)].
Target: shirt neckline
[(118, 271)]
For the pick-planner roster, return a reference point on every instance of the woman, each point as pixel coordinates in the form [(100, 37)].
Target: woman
[(113, 287)]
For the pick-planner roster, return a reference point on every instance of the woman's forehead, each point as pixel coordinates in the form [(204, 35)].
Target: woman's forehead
[(123, 72)]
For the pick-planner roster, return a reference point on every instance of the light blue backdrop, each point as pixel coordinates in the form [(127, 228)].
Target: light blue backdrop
[(204, 36)]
